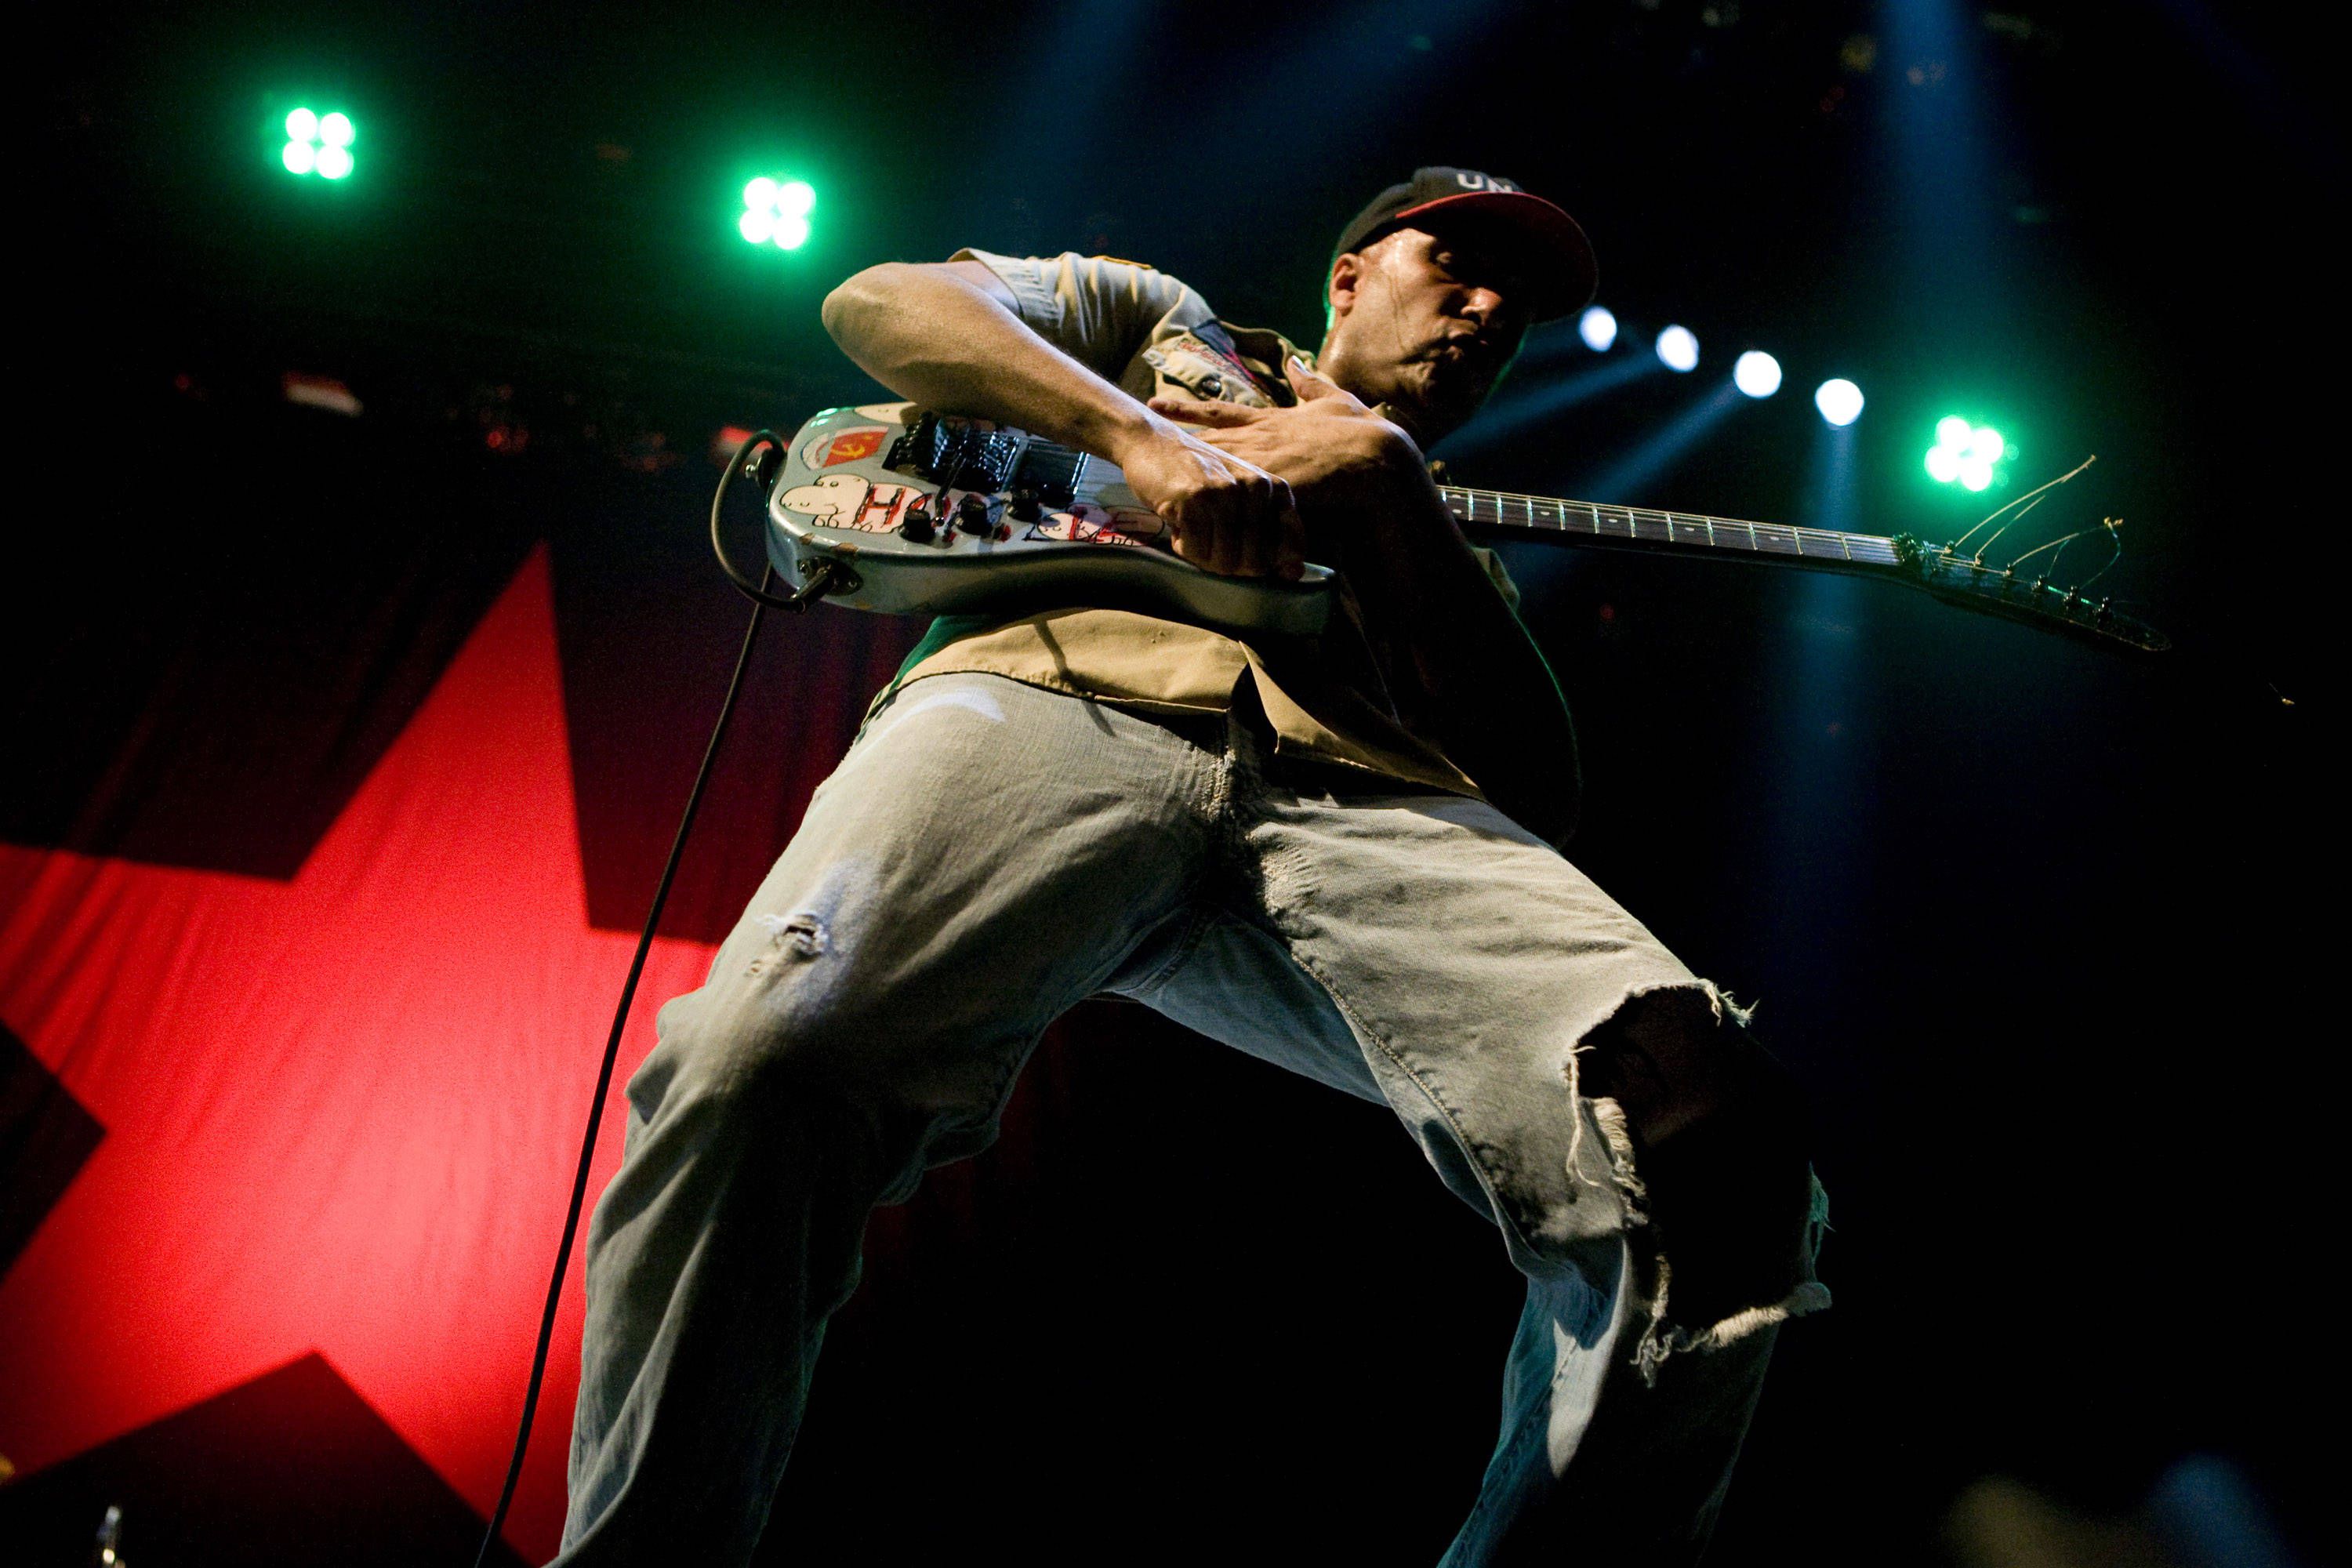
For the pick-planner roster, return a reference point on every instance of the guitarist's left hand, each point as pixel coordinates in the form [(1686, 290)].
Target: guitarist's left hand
[(1334, 451)]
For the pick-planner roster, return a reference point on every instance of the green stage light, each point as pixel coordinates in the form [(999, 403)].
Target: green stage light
[(776, 212), (1966, 454), (317, 143)]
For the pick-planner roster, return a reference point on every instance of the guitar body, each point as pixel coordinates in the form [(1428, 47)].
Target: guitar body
[(921, 514)]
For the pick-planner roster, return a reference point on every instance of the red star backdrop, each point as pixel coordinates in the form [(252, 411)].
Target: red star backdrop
[(339, 1108), (298, 944)]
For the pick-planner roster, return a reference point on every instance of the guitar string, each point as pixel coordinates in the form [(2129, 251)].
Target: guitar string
[(1994, 538), (1955, 546), (2114, 527)]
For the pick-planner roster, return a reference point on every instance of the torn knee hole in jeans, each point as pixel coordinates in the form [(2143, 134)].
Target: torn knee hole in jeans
[(1661, 1060), (1658, 1069), (1645, 1077), (800, 936)]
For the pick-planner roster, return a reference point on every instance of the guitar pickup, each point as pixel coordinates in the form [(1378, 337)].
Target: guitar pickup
[(957, 455), (1051, 472)]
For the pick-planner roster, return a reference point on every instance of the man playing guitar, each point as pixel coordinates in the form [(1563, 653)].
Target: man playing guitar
[(1337, 853)]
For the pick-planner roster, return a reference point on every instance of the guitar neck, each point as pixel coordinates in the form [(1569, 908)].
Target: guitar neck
[(1639, 527)]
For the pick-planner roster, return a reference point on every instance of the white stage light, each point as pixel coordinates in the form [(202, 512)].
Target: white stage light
[(1757, 374), (1678, 349), (1598, 328), (1839, 400)]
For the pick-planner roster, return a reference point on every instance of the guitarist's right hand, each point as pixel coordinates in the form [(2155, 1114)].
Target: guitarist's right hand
[(1224, 514)]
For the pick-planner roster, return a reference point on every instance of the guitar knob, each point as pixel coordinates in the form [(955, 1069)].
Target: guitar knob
[(972, 516), (919, 526), (1026, 505)]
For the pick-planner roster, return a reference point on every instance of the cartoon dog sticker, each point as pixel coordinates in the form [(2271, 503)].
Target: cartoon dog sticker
[(845, 501)]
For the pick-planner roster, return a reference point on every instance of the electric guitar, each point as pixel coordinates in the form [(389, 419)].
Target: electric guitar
[(919, 514)]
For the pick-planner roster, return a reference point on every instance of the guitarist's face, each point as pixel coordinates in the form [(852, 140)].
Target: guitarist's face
[(1425, 322)]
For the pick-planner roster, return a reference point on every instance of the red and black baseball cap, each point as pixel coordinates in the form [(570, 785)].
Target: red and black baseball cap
[(1561, 261)]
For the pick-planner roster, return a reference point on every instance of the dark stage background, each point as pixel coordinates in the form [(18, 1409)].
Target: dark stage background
[(342, 753)]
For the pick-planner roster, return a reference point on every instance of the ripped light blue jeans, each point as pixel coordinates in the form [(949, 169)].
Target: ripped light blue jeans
[(988, 855)]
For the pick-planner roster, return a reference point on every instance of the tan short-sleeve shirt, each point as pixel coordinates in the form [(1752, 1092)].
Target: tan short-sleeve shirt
[(1149, 332)]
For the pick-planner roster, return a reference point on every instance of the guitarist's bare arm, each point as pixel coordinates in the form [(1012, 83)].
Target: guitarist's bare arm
[(945, 335)]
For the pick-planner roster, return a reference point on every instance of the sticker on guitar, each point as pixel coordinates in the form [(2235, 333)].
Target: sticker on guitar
[(847, 446), (1084, 524), (847, 500)]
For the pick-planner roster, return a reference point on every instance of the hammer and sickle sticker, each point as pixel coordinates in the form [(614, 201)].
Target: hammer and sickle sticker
[(852, 446)]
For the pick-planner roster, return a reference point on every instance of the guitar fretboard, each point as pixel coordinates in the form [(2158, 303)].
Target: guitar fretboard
[(1643, 526)]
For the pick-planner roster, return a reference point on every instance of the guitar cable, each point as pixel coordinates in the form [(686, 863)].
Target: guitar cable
[(821, 579)]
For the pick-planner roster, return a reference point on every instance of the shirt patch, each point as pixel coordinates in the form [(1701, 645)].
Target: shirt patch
[(1204, 362)]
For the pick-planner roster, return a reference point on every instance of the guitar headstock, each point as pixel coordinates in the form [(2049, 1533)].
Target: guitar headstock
[(2032, 598)]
